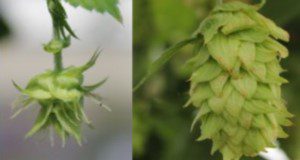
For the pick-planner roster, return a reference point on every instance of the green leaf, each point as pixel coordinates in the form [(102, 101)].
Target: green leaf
[(59, 17), (255, 35), (273, 73), (276, 47), (260, 121), (276, 92), (246, 85), (218, 142), (224, 50), (85, 118), (217, 104), (204, 109), (259, 70), (26, 104), (60, 131), (245, 119), (207, 72), (163, 59), (200, 94), (102, 6), (218, 83), (72, 95), (19, 88), (235, 103), (239, 21), (92, 61), (258, 107), (230, 129), (55, 46), (69, 78), (210, 26), (200, 58), (255, 140), (281, 133), (67, 125), (37, 94), (263, 54), (247, 54), (275, 31), (41, 120), (95, 86), (263, 92), (210, 126), (239, 137)]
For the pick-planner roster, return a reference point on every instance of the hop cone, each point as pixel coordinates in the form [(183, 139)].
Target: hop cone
[(60, 95), (236, 81)]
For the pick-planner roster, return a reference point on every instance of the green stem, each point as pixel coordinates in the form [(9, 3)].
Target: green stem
[(163, 59), (58, 60), (58, 64)]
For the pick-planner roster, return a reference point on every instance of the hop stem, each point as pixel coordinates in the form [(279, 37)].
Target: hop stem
[(58, 62)]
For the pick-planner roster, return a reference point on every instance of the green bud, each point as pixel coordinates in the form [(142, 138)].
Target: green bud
[(57, 45), (60, 95), (236, 81)]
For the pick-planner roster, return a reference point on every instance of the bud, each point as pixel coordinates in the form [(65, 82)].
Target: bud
[(60, 95), (57, 45), (236, 82)]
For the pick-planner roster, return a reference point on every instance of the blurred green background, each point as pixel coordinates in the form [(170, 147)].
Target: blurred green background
[(161, 126)]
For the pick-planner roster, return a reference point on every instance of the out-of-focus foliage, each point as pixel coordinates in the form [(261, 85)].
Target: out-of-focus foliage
[(4, 30), (161, 126)]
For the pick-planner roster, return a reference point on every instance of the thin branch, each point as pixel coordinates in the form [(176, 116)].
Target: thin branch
[(58, 64), (164, 58)]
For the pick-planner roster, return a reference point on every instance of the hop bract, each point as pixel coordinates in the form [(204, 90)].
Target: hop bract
[(60, 95), (236, 81)]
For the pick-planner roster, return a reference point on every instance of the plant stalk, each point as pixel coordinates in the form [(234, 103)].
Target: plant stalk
[(58, 59), (164, 58), (58, 65)]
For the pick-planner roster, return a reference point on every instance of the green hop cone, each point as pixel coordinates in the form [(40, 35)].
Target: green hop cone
[(60, 95), (236, 82)]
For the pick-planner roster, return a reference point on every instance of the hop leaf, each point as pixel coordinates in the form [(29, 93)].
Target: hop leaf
[(236, 84), (102, 6)]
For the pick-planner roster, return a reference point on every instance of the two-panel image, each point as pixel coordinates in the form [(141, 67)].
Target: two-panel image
[(149, 80)]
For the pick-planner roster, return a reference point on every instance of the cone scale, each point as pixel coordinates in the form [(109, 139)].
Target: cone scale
[(236, 82)]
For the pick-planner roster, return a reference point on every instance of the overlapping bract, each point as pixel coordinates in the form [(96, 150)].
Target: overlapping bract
[(60, 95), (236, 81)]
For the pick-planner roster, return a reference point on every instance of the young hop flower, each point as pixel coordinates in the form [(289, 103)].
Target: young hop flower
[(60, 95), (236, 82)]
